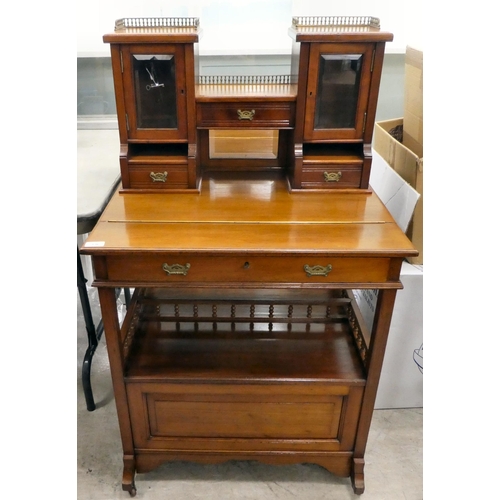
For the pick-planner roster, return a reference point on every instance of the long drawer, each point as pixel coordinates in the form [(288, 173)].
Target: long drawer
[(178, 268), (246, 114)]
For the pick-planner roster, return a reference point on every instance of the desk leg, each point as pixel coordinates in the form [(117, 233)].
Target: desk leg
[(107, 299), (375, 358)]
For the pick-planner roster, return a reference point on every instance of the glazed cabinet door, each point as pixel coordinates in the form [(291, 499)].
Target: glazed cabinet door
[(154, 84), (338, 87)]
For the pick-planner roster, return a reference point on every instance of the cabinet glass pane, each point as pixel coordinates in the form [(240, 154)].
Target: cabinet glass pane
[(155, 91), (338, 89)]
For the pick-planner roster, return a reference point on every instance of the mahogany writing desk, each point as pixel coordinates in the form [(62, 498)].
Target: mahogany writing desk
[(243, 340)]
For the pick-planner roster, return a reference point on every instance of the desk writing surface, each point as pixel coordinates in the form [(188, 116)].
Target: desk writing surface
[(258, 216), (245, 200)]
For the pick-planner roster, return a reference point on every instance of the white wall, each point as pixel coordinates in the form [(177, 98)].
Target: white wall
[(252, 26)]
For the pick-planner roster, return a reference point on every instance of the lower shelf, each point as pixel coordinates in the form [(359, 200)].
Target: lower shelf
[(281, 336)]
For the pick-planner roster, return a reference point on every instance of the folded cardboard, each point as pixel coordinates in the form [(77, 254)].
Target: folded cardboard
[(410, 166), (396, 194)]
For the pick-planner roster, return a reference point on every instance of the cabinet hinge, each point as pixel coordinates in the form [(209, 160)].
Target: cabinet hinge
[(121, 60), (364, 123), (373, 61), (126, 121)]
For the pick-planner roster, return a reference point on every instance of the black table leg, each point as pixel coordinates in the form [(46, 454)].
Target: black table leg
[(126, 292), (94, 334), (91, 334)]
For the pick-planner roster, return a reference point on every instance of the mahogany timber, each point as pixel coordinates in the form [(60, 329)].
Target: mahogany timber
[(273, 379), (310, 42), (179, 41), (326, 369), (289, 108)]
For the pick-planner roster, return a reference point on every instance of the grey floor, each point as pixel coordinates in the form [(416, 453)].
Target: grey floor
[(393, 468)]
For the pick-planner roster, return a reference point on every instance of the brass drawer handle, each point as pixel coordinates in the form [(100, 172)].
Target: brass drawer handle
[(158, 176), (317, 270), (176, 269), (332, 176), (246, 115)]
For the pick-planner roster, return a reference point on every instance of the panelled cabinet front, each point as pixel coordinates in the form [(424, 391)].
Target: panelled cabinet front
[(154, 88), (155, 97), (338, 85), (338, 69)]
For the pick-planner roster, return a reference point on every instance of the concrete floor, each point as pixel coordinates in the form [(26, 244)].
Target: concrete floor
[(393, 467)]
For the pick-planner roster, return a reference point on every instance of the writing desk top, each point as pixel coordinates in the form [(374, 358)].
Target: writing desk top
[(254, 214)]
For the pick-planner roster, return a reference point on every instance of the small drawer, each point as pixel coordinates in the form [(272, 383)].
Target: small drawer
[(246, 114), (160, 268), (331, 176), (158, 176)]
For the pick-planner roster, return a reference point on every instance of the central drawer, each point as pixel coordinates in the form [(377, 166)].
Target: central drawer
[(246, 114), (178, 268)]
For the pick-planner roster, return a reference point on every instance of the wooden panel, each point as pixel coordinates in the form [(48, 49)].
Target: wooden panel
[(281, 418), (263, 115), (240, 417)]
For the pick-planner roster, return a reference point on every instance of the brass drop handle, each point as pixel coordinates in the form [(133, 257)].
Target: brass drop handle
[(158, 176), (246, 115), (332, 176), (317, 270), (178, 269)]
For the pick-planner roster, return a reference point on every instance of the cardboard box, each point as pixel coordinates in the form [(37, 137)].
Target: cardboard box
[(413, 136), (401, 379), (400, 142), (410, 166)]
